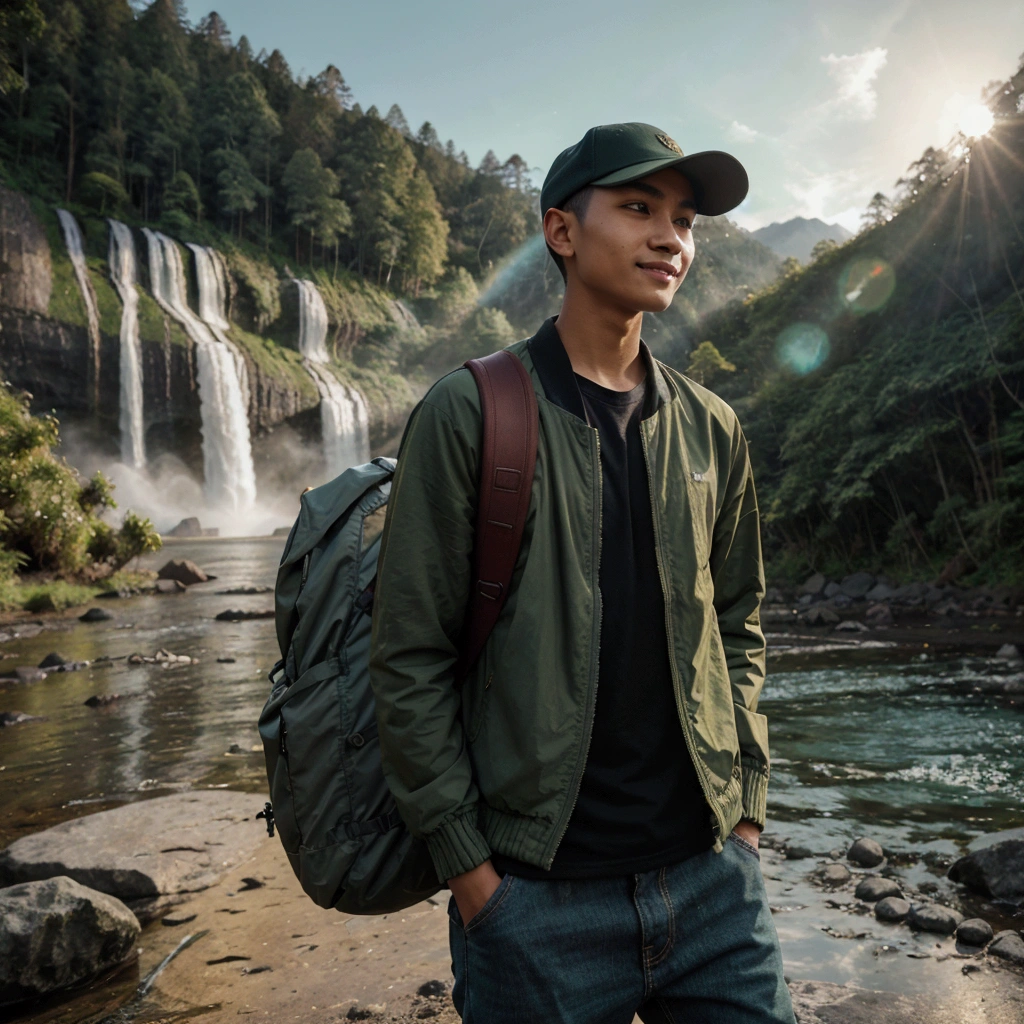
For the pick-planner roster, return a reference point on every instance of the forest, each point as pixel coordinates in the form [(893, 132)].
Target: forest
[(881, 385)]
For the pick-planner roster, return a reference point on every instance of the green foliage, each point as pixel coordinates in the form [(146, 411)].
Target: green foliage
[(905, 447), (103, 193), (49, 517), (182, 195), (706, 363)]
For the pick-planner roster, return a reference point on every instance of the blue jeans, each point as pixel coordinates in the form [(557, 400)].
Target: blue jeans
[(691, 942)]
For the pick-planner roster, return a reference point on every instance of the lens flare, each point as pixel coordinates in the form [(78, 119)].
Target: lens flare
[(866, 284), (975, 119), (802, 348)]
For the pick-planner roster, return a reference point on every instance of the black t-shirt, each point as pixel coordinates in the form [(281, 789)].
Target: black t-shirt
[(640, 804)]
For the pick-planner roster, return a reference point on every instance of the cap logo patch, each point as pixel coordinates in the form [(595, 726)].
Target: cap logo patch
[(669, 143)]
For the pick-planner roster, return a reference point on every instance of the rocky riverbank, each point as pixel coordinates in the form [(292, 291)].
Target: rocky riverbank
[(229, 932)]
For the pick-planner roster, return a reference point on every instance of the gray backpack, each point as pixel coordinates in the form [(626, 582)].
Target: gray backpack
[(330, 803)]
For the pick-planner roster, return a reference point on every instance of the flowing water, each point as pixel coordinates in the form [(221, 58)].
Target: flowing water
[(73, 241), (229, 475), (344, 420), (123, 272), (880, 743)]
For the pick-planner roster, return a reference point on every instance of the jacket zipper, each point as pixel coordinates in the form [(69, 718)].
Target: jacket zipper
[(684, 718), (595, 646)]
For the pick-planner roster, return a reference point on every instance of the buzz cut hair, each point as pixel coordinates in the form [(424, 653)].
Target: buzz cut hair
[(577, 205)]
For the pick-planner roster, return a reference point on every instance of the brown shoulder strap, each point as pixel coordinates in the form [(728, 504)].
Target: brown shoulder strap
[(507, 458)]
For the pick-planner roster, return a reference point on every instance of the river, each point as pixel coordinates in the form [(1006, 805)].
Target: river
[(879, 742)]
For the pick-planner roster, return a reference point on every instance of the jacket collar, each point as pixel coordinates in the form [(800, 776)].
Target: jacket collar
[(551, 362)]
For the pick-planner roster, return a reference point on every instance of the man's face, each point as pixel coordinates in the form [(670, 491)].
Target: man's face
[(634, 244)]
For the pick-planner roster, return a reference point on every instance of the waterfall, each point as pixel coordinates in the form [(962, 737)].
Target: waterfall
[(227, 452), (122, 272), (73, 241), (344, 422), (211, 276)]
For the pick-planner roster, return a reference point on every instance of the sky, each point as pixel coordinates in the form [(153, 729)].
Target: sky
[(824, 102)]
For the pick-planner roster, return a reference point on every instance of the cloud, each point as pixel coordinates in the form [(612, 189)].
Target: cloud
[(742, 133), (855, 76)]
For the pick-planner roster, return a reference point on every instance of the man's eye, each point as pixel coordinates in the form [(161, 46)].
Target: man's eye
[(637, 205), (685, 223)]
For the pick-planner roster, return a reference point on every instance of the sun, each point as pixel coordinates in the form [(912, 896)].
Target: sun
[(975, 119)]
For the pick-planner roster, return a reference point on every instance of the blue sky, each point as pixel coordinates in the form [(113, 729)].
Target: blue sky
[(824, 102)]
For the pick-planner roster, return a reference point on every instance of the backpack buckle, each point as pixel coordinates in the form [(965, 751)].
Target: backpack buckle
[(268, 815), (491, 591)]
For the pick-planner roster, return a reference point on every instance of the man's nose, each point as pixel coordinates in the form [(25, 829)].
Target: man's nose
[(665, 238)]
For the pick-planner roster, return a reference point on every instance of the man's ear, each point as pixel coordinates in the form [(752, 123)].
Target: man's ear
[(559, 227)]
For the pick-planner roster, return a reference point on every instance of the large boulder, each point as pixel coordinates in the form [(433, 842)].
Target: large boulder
[(974, 932), (873, 888), (813, 585), (183, 570), (56, 933), (892, 909), (145, 851), (996, 870)]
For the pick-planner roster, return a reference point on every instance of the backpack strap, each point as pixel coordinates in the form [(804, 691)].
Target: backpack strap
[(507, 458)]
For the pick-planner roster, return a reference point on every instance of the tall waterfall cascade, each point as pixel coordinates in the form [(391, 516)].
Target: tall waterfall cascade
[(230, 478), (76, 250), (344, 419), (212, 278), (123, 273)]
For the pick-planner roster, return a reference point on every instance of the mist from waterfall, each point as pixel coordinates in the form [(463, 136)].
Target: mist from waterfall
[(123, 272), (344, 422), (76, 250), (230, 478)]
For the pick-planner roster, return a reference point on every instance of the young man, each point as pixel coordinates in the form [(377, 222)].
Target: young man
[(594, 791)]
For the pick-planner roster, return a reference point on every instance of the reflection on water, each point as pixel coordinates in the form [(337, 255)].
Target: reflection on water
[(172, 727), (894, 751)]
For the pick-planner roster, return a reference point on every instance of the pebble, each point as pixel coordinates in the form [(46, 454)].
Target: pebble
[(873, 888), (798, 853), (15, 718), (866, 852), (52, 660), (974, 932), (29, 674), (892, 908)]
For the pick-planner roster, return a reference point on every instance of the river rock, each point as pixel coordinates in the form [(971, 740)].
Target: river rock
[(857, 584), (184, 571), (974, 932), (874, 888), (29, 674), (933, 917), (850, 626), (892, 909), (95, 615), (880, 592), (866, 852), (188, 527), (813, 585), (1008, 945), (56, 933), (169, 587), (53, 660), (143, 850), (834, 874), (233, 615), (819, 616), (879, 615), (101, 700), (832, 589), (15, 718), (996, 870), (1009, 652)]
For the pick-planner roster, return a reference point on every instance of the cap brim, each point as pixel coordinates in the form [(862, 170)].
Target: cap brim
[(719, 180)]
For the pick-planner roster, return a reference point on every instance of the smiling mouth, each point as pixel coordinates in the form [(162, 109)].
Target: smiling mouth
[(663, 272)]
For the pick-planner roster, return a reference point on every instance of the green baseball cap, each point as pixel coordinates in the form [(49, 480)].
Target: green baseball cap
[(614, 154)]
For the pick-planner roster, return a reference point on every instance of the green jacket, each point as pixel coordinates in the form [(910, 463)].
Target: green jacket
[(497, 765)]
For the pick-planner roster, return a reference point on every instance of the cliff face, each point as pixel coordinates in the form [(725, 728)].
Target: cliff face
[(51, 358), (25, 275)]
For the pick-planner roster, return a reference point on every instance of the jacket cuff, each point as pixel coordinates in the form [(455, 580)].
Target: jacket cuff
[(755, 794), (457, 846)]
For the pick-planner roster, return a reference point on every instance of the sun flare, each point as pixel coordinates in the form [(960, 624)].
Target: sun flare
[(959, 114)]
